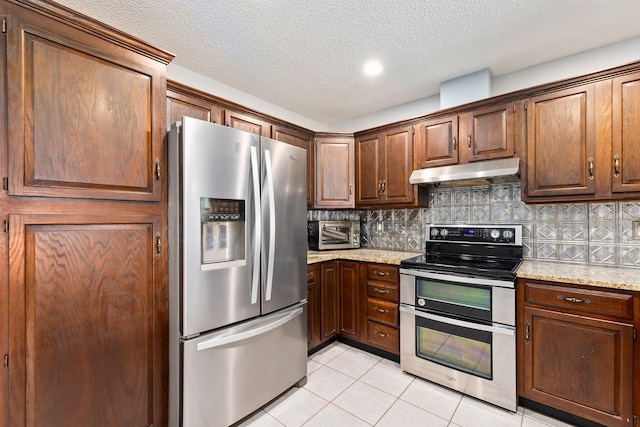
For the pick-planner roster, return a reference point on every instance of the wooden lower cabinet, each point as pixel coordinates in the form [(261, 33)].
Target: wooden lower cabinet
[(313, 307), (576, 350), (382, 289), (329, 277), (349, 300), (88, 316)]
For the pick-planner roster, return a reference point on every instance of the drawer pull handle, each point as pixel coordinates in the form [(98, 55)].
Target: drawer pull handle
[(381, 273), (574, 300), (381, 291), (616, 166), (381, 334), (381, 310)]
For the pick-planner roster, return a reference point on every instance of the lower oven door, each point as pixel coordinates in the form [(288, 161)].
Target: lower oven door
[(473, 358)]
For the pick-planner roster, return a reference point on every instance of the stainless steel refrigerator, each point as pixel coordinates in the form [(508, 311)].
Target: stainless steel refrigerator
[(237, 272)]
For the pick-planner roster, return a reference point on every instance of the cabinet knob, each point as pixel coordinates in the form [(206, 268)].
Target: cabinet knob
[(381, 273), (381, 334), (381, 291), (381, 310)]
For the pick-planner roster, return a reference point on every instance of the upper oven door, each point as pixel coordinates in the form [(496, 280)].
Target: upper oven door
[(472, 298)]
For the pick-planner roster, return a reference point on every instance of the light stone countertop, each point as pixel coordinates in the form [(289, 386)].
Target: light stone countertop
[(599, 276), (591, 275), (366, 255)]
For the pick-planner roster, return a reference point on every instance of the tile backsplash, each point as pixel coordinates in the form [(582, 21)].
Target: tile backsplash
[(598, 233)]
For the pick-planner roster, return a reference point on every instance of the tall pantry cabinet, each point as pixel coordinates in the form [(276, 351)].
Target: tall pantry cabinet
[(83, 288)]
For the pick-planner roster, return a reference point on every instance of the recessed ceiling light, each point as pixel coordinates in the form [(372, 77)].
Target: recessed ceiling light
[(372, 68)]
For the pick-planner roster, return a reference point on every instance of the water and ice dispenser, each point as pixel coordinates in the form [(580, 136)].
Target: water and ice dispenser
[(223, 230)]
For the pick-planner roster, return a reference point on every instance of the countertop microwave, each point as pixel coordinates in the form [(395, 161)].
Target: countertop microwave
[(328, 235)]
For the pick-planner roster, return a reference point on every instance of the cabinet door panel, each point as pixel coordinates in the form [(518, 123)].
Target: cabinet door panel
[(328, 300), (368, 171), (490, 133), (335, 172), (88, 335), (438, 142), (83, 124), (247, 123), (398, 165), (561, 143), (349, 306), (594, 376), (626, 134), (181, 105)]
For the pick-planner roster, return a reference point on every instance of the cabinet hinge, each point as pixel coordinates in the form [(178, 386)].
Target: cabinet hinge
[(526, 105), (6, 226), (6, 360), (635, 421), (5, 183)]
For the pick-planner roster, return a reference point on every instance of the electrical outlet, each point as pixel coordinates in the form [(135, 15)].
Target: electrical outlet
[(379, 227), (635, 226)]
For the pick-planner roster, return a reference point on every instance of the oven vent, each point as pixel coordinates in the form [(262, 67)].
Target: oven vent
[(468, 174)]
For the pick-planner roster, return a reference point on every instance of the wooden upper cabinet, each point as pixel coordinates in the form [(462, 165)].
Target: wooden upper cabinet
[(384, 162), (247, 123), (561, 143), (335, 171), (182, 105), (88, 313), (437, 142), (626, 134), (490, 133), (397, 165), (86, 114), (368, 169), (302, 140)]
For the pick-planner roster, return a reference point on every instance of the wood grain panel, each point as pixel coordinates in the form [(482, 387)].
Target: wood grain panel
[(438, 142), (368, 173), (626, 136), (398, 165), (82, 117), (85, 313), (561, 143)]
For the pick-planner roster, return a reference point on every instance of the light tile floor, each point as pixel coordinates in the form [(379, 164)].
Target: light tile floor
[(349, 387)]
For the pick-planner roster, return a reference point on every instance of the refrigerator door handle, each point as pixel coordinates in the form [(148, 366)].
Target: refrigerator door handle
[(245, 335), (255, 273), (272, 225)]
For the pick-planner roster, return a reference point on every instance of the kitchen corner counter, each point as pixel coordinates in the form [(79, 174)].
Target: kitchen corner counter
[(589, 275), (366, 255)]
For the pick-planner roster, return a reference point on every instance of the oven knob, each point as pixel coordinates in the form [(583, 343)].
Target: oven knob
[(421, 302), (495, 234), (444, 232), (507, 234), (434, 231)]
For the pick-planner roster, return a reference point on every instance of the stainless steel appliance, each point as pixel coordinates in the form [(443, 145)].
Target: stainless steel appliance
[(237, 272), (327, 235), (457, 311)]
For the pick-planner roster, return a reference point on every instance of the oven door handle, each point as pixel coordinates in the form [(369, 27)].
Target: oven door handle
[(504, 330), (458, 279)]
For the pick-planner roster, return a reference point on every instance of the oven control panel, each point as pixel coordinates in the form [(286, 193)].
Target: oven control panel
[(505, 234)]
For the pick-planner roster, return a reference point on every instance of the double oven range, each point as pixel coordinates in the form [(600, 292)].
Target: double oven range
[(457, 311)]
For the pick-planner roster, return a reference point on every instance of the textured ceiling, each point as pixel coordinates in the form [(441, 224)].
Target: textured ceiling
[(306, 56)]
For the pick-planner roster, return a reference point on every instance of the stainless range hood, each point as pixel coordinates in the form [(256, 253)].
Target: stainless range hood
[(469, 173)]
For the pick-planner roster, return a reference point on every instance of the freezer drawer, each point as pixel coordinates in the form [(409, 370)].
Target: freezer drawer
[(231, 373)]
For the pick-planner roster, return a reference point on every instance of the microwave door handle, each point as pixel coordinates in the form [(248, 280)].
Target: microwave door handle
[(504, 330), (272, 224), (255, 273)]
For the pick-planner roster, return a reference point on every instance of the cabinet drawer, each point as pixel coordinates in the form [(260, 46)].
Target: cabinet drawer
[(383, 290), (381, 272), (311, 273), (383, 337), (382, 312), (607, 303)]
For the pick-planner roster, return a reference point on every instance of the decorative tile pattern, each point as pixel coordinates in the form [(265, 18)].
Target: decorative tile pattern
[(582, 233)]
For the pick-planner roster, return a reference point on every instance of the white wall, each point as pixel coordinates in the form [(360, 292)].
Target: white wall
[(575, 65)]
